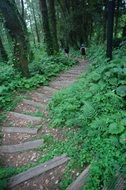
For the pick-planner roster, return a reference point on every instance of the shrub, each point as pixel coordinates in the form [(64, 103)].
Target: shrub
[(96, 104), (41, 72)]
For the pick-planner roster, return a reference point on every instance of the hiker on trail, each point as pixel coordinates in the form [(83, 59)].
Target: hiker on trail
[(66, 51), (83, 50)]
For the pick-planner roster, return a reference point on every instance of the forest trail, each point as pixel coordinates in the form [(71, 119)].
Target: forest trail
[(22, 142)]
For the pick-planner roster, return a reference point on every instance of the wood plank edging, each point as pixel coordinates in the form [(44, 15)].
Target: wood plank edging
[(38, 170), (80, 181)]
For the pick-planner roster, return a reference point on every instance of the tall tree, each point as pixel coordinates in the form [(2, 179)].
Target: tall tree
[(110, 25), (22, 4), (17, 30), (47, 34), (104, 20), (36, 26), (3, 54), (32, 31), (53, 27), (117, 17)]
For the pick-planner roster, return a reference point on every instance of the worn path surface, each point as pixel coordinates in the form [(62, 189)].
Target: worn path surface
[(22, 130)]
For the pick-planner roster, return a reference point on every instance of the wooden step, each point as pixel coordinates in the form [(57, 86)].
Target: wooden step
[(79, 183), (38, 170), (21, 147), (60, 85), (42, 96), (48, 88), (26, 117), (62, 82), (47, 91), (72, 79), (34, 104), (76, 70), (20, 130), (74, 73), (118, 184), (67, 75)]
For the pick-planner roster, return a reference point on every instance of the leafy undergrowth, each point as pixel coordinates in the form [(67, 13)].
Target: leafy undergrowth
[(42, 69), (95, 106), (94, 111)]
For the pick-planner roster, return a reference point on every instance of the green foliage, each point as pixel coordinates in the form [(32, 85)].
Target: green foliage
[(42, 70), (4, 175), (121, 91), (94, 105), (116, 128), (50, 66), (6, 73)]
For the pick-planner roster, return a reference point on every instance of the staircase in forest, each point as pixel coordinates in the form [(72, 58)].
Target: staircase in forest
[(21, 139)]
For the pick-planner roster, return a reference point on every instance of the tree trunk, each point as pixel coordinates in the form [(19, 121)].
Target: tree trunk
[(104, 21), (17, 30), (22, 6), (32, 31), (36, 27), (47, 34), (53, 28), (3, 54), (117, 18), (110, 23), (124, 32)]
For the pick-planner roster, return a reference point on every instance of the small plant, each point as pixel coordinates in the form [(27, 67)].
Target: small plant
[(42, 69), (4, 175), (95, 104)]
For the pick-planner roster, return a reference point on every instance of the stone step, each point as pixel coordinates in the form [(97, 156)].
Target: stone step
[(79, 183), (21, 147), (20, 130), (38, 170), (26, 117), (34, 104)]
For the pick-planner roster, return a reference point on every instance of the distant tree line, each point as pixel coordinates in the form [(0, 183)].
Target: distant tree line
[(58, 24)]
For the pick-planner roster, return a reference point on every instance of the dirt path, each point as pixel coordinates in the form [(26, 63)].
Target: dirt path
[(22, 137)]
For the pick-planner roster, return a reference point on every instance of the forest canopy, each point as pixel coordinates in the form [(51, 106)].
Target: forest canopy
[(30, 24)]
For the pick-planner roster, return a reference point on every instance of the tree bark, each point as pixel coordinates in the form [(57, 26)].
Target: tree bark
[(32, 31), (110, 24), (117, 18), (46, 29), (104, 21), (3, 54), (36, 27), (22, 6), (53, 27), (17, 29)]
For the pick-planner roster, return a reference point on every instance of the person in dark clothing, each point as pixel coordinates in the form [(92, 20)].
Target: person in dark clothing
[(83, 50), (66, 51)]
